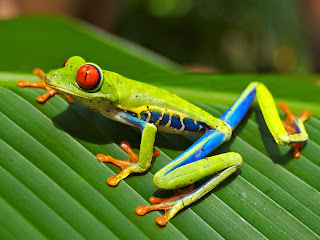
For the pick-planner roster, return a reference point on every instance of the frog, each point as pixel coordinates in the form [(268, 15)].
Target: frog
[(151, 109)]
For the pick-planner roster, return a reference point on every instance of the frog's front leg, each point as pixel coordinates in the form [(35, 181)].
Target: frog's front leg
[(135, 164), (50, 92)]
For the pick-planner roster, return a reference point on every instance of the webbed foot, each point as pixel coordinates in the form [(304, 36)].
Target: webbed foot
[(129, 166), (50, 92), (291, 124), (170, 205)]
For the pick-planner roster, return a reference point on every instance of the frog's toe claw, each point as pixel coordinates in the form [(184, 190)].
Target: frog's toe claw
[(129, 166), (291, 124)]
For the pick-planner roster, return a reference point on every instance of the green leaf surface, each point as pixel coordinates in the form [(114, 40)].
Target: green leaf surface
[(52, 186)]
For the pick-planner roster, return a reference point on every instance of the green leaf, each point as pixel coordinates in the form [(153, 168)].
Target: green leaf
[(52, 186)]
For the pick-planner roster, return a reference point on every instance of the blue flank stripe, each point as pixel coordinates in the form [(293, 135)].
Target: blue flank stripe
[(154, 116), (144, 116), (175, 122), (134, 120), (212, 138), (165, 119), (190, 125)]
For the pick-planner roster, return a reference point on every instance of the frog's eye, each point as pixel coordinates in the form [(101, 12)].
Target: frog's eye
[(89, 76), (64, 63)]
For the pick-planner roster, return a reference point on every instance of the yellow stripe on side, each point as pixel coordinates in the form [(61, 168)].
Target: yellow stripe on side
[(151, 108), (169, 122), (149, 116)]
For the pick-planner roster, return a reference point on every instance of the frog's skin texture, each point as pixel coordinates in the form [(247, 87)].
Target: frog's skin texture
[(152, 109)]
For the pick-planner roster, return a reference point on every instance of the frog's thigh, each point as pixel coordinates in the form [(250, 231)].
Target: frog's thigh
[(195, 171)]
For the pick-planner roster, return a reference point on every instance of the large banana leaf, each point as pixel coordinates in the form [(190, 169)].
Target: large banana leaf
[(52, 186)]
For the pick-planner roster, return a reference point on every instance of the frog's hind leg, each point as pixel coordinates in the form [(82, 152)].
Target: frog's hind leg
[(192, 165), (289, 131), (50, 92), (222, 166)]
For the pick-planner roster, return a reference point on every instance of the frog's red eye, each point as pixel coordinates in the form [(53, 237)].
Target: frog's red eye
[(64, 63), (89, 76)]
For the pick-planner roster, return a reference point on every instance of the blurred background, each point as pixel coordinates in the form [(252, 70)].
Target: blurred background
[(203, 35)]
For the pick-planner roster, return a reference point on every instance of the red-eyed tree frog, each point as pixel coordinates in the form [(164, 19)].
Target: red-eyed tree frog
[(151, 109)]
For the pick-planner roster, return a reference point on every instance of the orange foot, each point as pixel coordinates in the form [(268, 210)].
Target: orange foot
[(126, 166), (170, 205), (50, 92), (291, 125)]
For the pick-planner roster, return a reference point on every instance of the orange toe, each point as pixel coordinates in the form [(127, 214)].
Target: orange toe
[(291, 125)]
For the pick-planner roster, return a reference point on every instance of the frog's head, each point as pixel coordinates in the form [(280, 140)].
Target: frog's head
[(78, 79)]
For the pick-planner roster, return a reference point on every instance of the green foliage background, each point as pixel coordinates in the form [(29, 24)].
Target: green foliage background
[(230, 36), (52, 186)]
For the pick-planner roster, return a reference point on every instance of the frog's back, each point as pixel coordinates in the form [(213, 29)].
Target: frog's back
[(166, 110)]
